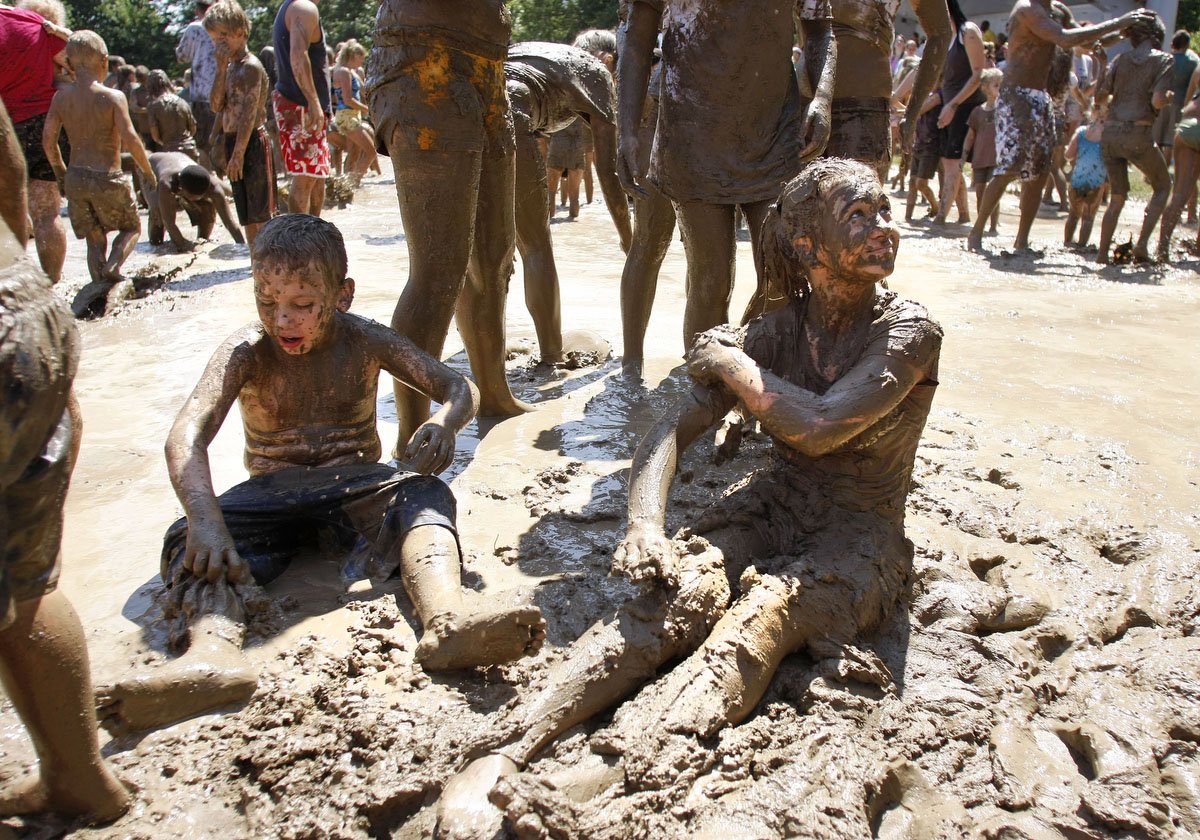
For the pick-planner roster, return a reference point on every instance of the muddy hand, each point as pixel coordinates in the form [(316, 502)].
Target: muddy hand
[(710, 351), (212, 555), (646, 554), (430, 450), (627, 167), (815, 131)]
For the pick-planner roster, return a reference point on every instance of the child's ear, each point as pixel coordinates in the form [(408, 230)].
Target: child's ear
[(345, 295)]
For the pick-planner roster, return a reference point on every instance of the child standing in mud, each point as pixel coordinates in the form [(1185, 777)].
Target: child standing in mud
[(239, 95), (980, 145), (1088, 178), (305, 377), (99, 197), (1138, 83), (842, 378)]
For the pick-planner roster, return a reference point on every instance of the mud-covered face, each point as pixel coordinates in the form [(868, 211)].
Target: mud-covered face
[(296, 307), (859, 239), (233, 40)]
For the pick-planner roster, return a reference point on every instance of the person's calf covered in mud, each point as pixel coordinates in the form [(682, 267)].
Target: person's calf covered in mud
[(842, 378), (305, 376)]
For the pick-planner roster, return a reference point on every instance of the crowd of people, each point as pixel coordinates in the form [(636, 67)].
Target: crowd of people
[(839, 371)]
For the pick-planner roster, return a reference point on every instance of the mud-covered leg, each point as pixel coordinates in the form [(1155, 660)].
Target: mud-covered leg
[(480, 311), (213, 672), (710, 244), (461, 629), (537, 249), (1154, 167), (609, 661), (1031, 201), (990, 203), (763, 300), (439, 246), (1187, 162), (123, 244), (653, 224), (1108, 226), (44, 668)]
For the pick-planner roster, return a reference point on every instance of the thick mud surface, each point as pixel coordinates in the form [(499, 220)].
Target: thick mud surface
[(1042, 681)]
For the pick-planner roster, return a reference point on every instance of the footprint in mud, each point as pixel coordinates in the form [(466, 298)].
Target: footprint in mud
[(905, 806)]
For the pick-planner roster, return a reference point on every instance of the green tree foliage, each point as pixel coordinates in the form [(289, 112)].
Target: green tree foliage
[(560, 20)]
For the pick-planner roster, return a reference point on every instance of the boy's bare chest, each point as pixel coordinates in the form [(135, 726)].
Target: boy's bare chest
[(331, 392)]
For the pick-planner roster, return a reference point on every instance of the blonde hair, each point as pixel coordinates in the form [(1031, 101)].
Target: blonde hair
[(349, 50), (990, 75), (51, 10), (86, 46), (227, 14)]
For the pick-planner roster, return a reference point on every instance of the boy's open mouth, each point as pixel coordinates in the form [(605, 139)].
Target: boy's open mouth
[(290, 342)]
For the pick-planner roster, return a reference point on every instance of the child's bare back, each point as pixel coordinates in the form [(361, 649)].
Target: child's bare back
[(91, 115)]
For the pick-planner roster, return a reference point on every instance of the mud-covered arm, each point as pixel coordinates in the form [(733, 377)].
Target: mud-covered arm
[(13, 208), (168, 209), (152, 117), (1045, 27), (222, 208), (216, 98), (131, 141), (810, 423), (635, 56), (934, 18), (431, 448), (646, 551), (604, 142), (820, 63), (303, 25), (210, 552), (50, 132), (242, 106), (1162, 87), (969, 143)]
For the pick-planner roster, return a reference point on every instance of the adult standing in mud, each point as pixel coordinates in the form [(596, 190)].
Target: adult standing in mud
[(43, 649), (1139, 84), (965, 62), (842, 377), (716, 148), (1025, 130), (1187, 169), (861, 110), (33, 53), (435, 81), (551, 86), (196, 49), (302, 104)]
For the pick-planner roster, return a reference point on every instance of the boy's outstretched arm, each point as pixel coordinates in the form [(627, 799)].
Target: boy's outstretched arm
[(132, 141), (431, 448), (211, 553)]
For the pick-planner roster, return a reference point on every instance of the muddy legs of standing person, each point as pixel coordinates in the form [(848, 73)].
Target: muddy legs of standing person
[(49, 236), (951, 181), (710, 242), (988, 204), (589, 161), (1108, 226), (123, 244), (1154, 167), (1031, 200), (537, 249), (97, 254), (653, 224), (307, 195), (1187, 168), (44, 668), (461, 630)]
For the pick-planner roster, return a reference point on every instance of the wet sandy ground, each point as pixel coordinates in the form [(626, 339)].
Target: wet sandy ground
[(1044, 681)]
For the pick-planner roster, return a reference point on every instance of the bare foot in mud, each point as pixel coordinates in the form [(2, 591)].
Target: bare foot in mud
[(180, 689), (1024, 252), (98, 799), (508, 406), (974, 243), (464, 810), (580, 348), (481, 635), (1141, 255)]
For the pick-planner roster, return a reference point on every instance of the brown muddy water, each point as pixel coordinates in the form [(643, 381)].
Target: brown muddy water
[(1042, 681)]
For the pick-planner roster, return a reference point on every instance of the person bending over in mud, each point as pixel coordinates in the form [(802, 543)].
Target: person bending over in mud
[(185, 184), (551, 86), (842, 378), (1025, 130), (305, 378), (43, 650), (99, 198), (1138, 83)]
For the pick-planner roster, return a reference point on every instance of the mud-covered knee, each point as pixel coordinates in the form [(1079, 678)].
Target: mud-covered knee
[(703, 593), (770, 592)]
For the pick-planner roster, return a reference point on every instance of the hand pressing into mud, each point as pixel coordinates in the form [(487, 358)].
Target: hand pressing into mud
[(713, 352), (646, 554), (431, 449), (627, 167), (212, 555)]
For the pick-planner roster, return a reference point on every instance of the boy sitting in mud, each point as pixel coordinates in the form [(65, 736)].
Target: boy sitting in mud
[(305, 378), (99, 198)]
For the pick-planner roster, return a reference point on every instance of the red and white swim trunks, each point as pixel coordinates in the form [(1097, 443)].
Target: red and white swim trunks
[(304, 152)]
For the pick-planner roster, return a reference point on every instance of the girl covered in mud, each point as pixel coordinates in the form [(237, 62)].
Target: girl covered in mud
[(841, 377)]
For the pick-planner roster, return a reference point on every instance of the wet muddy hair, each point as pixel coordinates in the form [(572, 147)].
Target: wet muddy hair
[(158, 83), (297, 240), (1154, 31), (797, 213), (85, 45), (597, 41), (227, 14)]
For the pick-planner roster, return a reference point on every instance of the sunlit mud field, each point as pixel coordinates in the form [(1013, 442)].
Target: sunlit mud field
[(1041, 680)]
